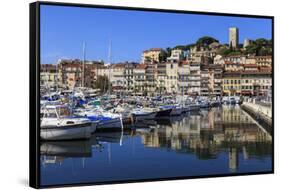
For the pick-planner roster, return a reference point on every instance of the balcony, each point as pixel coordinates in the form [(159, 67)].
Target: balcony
[(194, 68), (194, 84), (183, 84), (194, 78)]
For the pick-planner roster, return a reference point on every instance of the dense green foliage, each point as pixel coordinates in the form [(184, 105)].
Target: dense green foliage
[(102, 83), (205, 41), (258, 47)]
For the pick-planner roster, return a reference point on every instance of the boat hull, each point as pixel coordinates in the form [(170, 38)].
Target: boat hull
[(114, 123), (191, 108), (71, 132), (94, 127), (144, 116), (163, 113), (176, 111)]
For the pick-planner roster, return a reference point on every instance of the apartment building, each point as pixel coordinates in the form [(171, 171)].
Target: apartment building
[(151, 55), (239, 59), (256, 83), (50, 75), (129, 76), (183, 73), (161, 78), (194, 78), (231, 84), (177, 55), (117, 78), (172, 77), (264, 61), (151, 79), (74, 74), (139, 79), (216, 79), (205, 82)]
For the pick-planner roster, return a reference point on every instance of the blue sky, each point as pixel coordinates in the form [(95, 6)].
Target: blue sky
[(64, 29)]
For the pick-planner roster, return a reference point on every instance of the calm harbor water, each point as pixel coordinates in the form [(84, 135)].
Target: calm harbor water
[(217, 141)]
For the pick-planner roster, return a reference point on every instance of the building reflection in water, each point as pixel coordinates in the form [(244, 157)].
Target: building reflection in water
[(209, 132), (205, 134)]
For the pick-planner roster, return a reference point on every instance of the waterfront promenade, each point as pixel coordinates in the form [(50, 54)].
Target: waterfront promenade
[(262, 112)]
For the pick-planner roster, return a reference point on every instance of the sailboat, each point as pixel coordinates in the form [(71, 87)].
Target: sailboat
[(105, 119)]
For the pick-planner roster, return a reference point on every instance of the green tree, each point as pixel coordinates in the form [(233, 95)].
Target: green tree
[(181, 47), (169, 51), (147, 59), (163, 56), (205, 41), (260, 46), (224, 51), (102, 83)]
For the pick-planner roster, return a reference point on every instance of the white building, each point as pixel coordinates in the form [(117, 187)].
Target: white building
[(172, 77), (183, 73), (176, 55)]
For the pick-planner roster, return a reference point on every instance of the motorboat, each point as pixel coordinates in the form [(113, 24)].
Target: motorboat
[(104, 119), (58, 123)]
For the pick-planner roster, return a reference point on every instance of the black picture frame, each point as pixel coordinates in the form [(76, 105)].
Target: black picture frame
[(34, 90)]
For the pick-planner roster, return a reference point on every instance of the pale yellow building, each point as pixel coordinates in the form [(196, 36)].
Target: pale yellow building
[(139, 79), (151, 55), (50, 75), (231, 84)]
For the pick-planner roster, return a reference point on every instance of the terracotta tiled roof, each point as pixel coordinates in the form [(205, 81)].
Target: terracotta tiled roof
[(152, 49), (119, 65), (141, 66), (229, 63)]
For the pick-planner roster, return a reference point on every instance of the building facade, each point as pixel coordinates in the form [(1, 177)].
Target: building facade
[(151, 55), (233, 37), (50, 76)]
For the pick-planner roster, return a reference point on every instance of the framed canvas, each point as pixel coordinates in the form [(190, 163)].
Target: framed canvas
[(123, 94)]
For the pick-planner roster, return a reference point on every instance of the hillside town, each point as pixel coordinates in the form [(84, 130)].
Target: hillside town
[(202, 69), (135, 94)]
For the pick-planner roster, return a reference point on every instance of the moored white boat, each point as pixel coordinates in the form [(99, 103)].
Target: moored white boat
[(57, 123), (104, 120)]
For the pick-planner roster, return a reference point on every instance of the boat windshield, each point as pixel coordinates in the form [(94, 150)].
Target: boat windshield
[(63, 112), (50, 113)]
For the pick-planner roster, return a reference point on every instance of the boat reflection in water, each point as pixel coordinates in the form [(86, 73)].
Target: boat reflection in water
[(66, 148), (217, 141)]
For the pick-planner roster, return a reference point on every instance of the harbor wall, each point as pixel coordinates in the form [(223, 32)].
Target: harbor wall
[(263, 114)]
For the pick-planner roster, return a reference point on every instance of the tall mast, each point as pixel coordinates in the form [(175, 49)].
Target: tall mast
[(57, 73), (109, 64), (83, 64)]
